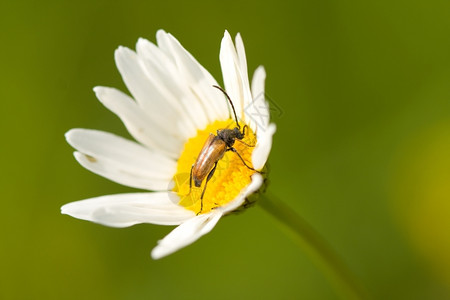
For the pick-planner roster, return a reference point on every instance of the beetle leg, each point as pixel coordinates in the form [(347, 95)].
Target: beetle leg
[(190, 180), (245, 143), (243, 161), (210, 175), (243, 133)]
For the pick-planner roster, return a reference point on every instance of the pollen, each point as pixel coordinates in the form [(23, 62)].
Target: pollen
[(230, 177)]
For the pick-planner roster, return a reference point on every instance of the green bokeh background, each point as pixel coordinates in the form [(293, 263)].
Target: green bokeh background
[(362, 149)]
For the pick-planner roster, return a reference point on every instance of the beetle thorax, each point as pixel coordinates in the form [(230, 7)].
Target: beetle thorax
[(229, 135)]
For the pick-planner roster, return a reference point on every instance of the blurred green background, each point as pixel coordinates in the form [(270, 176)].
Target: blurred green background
[(362, 149)]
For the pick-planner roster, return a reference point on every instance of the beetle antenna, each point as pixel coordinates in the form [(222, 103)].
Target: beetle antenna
[(231, 102)]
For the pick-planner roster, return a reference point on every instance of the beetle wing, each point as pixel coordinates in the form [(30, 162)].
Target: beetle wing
[(204, 150), (213, 150)]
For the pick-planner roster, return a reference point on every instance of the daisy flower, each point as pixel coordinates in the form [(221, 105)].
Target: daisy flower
[(173, 110)]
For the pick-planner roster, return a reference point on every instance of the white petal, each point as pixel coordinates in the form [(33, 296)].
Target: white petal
[(175, 52), (233, 75), (121, 173), (258, 111), (163, 72), (192, 74), (150, 94), (154, 54), (200, 82), (102, 144), (229, 72), (263, 146), (259, 77), (186, 234), (197, 79), (121, 160), (164, 43), (256, 183), (123, 210), (244, 77), (140, 125), (240, 49)]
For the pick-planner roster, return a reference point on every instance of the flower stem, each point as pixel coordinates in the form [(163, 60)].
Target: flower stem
[(324, 256)]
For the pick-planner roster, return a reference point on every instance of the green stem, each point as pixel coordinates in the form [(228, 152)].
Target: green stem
[(342, 279)]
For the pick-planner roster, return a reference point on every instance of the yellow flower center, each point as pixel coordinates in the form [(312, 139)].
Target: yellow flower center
[(229, 177)]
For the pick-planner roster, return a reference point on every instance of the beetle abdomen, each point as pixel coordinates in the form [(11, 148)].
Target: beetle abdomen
[(198, 181), (213, 150)]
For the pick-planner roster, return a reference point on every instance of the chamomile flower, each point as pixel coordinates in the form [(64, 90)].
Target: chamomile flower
[(173, 109)]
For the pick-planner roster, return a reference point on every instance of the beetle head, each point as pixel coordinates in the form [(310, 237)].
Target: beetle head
[(237, 133)]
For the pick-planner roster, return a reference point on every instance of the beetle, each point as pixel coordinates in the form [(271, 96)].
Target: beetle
[(213, 150)]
